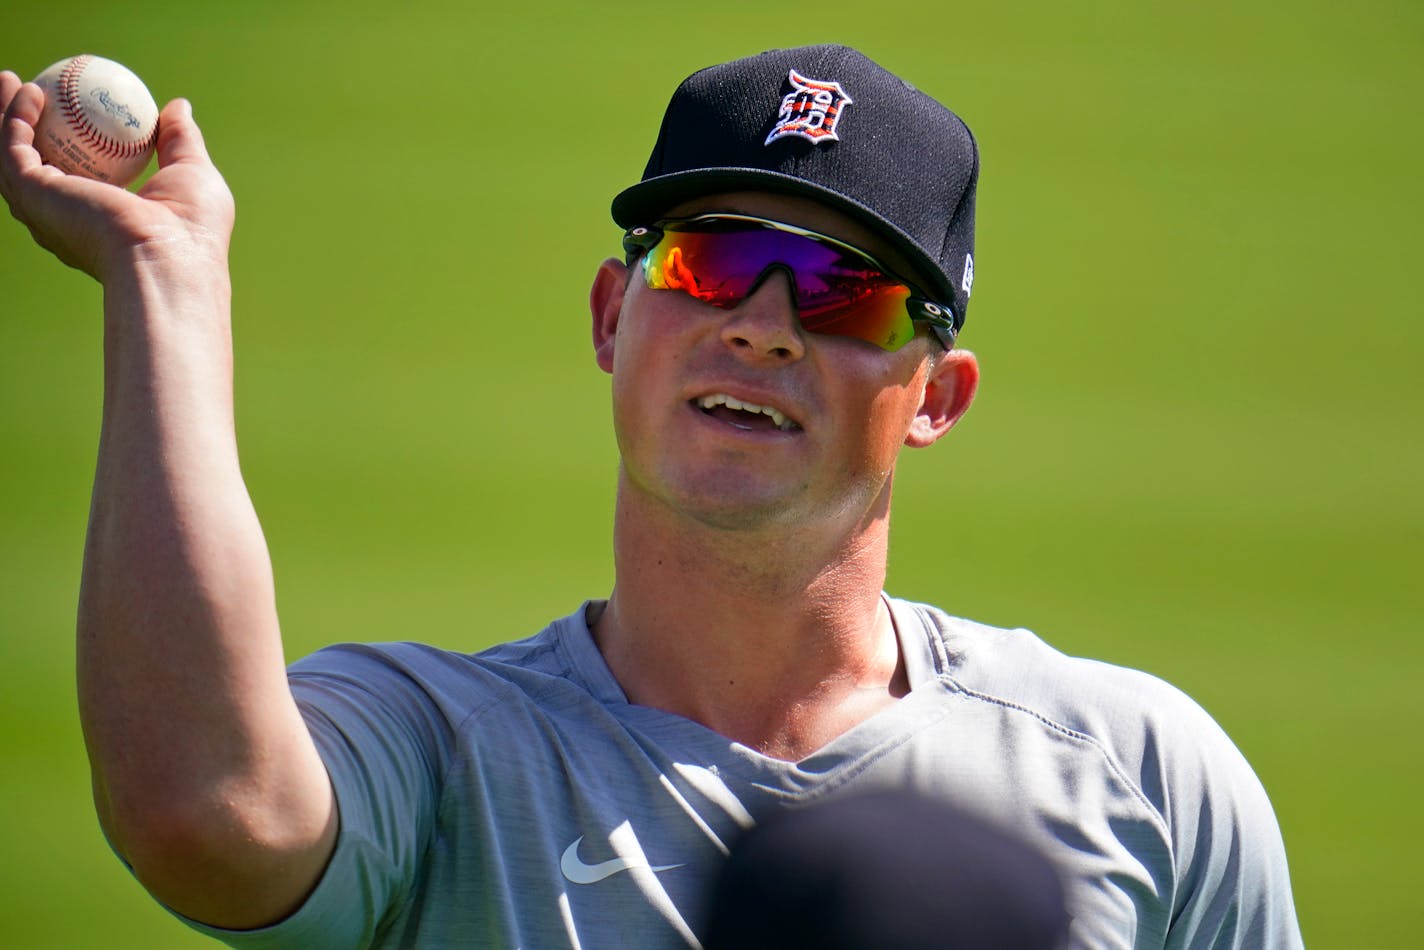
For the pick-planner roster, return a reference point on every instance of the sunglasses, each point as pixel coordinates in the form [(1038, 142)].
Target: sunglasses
[(721, 259)]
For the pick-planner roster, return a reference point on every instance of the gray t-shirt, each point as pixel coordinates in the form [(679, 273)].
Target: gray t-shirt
[(514, 798)]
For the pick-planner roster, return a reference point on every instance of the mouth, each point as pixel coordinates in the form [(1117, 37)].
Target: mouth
[(744, 415)]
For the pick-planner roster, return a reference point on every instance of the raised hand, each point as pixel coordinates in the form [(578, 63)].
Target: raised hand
[(183, 213)]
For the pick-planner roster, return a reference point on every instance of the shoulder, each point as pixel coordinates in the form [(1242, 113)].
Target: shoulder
[(417, 678), (1161, 740), (1135, 716), (1229, 859)]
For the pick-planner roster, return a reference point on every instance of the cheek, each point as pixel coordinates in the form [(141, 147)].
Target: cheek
[(646, 367), (893, 403), (891, 415)]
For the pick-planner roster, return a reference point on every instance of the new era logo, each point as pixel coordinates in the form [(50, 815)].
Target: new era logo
[(810, 110), (967, 284)]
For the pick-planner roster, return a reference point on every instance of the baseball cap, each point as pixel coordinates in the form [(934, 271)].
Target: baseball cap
[(828, 123)]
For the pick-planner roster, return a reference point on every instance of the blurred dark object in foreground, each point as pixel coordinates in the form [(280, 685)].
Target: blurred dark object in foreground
[(889, 870)]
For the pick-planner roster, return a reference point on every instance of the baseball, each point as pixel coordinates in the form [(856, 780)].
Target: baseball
[(99, 120)]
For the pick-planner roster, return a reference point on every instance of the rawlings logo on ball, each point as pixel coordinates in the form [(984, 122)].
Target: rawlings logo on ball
[(810, 110), (116, 109)]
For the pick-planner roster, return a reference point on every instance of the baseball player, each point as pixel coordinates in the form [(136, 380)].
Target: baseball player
[(798, 262)]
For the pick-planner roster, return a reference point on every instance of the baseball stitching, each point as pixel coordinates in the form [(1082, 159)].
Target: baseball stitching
[(71, 107)]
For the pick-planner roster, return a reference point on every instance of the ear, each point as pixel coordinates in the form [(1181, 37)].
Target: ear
[(948, 393), (605, 300)]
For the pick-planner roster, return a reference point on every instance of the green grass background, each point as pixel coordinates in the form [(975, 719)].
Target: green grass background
[(1196, 450)]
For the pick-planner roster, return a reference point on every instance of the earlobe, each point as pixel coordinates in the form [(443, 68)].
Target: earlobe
[(605, 301), (948, 394)]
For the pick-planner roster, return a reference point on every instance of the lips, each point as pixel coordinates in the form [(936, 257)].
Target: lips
[(746, 415)]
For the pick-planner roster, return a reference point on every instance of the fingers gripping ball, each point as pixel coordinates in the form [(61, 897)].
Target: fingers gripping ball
[(99, 120)]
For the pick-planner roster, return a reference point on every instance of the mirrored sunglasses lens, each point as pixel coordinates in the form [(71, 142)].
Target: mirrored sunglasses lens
[(710, 267), (837, 292), (876, 314)]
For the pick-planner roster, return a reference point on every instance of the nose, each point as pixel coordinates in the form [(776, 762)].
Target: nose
[(765, 325)]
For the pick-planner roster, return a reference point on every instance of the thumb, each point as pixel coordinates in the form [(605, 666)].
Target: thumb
[(180, 141)]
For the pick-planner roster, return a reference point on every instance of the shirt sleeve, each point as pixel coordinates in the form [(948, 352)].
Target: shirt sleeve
[(384, 739), (1233, 889)]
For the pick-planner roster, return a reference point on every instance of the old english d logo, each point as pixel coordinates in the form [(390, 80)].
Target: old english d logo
[(811, 110)]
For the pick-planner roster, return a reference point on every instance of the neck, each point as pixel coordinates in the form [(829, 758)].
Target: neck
[(777, 638)]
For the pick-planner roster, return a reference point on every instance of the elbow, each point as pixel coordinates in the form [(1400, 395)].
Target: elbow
[(220, 861)]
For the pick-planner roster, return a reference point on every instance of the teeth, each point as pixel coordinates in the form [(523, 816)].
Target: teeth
[(732, 402)]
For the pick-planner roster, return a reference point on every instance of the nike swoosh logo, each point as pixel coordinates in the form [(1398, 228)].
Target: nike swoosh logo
[(579, 873)]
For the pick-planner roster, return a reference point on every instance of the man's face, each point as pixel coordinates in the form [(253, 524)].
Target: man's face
[(740, 418)]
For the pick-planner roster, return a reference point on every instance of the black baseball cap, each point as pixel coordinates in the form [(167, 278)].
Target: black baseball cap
[(828, 123)]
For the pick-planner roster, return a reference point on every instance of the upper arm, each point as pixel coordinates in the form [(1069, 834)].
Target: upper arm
[(383, 739), (245, 853), (1233, 881)]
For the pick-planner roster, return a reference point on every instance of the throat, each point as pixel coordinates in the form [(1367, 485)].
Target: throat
[(791, 731), (784, 706)]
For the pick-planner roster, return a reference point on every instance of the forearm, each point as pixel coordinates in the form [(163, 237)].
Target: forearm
[(197, 748), (173, 545)]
